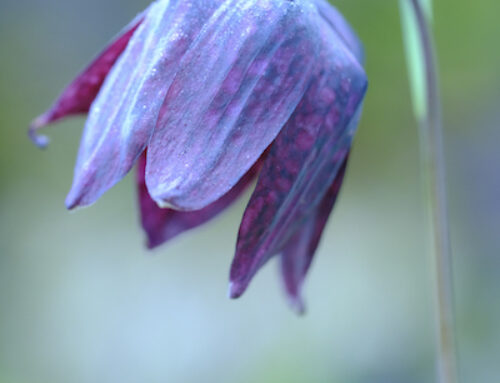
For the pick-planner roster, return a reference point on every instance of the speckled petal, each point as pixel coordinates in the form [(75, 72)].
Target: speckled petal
[(236, 89), (298, 253), (125, 112), (303, 161), (340, 25), (79, 95), (162, 224)]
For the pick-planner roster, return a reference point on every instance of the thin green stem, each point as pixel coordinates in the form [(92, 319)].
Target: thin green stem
[(433, 170)]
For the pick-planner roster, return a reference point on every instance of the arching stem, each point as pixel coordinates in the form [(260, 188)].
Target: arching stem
[(424, 77)]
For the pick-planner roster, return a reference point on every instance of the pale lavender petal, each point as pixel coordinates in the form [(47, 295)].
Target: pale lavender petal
[(162, 224), (123, 116), (79, 95), (303, 161), (298, 253), (340, 25), (236, 89)]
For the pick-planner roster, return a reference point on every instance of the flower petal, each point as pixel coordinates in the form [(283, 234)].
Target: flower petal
[(79, 95), (298, 253), (302, 162), (162, 224), (238, 86), (123, 116), (339, 24)]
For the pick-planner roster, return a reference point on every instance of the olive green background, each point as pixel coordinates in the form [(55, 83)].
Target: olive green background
[(82, 301)]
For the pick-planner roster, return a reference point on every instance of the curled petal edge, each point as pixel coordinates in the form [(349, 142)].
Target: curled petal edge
[(78, 96)]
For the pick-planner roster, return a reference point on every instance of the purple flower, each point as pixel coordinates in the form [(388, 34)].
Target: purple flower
[(206, 94)]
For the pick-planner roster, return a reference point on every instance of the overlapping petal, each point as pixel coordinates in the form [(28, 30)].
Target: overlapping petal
[(237, 87), (81, 92), (298, 253), (162, 224), (124, 114), (303, 161)]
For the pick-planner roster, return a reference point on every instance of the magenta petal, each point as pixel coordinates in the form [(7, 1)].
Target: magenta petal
[(337, 22), (162, 224), (237, 87), (79, 95), (302, 162), (123, 116), (298, 253)]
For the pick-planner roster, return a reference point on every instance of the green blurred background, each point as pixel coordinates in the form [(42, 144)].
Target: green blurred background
[(81, 300)]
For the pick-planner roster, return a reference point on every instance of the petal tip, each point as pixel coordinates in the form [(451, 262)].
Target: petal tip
[(71, 201), (163, 204), (152, 242), (150, 245), (40, 141), (70, 204), (87, 187), (297, 305), (236, 289), (75, 200)]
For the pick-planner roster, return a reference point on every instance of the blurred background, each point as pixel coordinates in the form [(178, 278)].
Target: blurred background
[(82, 301)]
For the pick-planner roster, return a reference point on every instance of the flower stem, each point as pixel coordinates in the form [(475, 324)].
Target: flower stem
[(428, 111)]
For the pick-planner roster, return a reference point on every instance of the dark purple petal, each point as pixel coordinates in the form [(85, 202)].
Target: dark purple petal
[(298, 253), (335, 19), (237, 87), (124, 114), (79, 95), (303, 161), (162, 224)]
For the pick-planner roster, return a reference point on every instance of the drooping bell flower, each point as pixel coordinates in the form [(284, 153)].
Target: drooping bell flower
[(203, 96)]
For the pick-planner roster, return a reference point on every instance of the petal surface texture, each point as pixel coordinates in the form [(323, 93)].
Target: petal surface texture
[(79, 94), (162, 224), (298, 253), (124, 114), (237, 86), (304, 160)]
